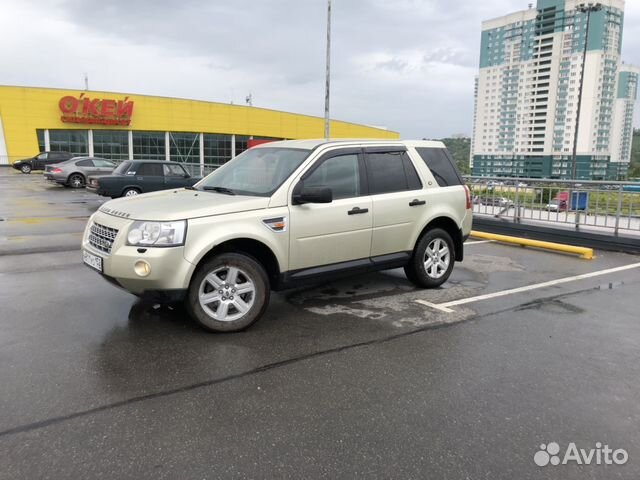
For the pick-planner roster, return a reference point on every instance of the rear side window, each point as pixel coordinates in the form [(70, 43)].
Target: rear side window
[(441, 165), (391, 172), (85, 163), (151, 169)]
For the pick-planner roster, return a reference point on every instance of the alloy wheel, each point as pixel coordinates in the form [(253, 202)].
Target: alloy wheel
[(227, 294), (437, 258)]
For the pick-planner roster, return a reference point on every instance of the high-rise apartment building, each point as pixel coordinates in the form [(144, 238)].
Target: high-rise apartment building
[(526, 94)]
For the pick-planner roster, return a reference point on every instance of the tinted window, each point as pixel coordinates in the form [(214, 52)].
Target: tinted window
[(441, 165), (122, 168), (150, 169), (85, 163), (42, 156), (98, 162), (391, 172), (341, 174), (174, 171)]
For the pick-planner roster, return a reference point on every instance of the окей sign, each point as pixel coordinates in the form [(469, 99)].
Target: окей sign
[(96, 110)]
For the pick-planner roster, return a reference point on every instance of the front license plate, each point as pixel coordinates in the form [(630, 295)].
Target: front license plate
[(92, 260)]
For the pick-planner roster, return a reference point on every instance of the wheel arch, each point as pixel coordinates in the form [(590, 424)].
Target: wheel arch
[(126, 187), (77, 173), (451, 227), (251, 247)]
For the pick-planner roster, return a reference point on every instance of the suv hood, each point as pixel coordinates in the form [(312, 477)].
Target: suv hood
[(181, 204)]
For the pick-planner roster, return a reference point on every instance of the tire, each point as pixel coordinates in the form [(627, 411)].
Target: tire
[(435, 245), (26, 169), (76, 180), (130, 192), (205, 302)]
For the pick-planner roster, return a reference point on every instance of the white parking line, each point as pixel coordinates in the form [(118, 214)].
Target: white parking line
[(463, 301), (434, 306), (476, 242)]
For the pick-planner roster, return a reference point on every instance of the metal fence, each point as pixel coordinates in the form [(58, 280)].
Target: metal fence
[(611, 207)]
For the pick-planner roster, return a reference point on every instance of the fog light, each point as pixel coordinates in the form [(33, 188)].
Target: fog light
[(142, 268)]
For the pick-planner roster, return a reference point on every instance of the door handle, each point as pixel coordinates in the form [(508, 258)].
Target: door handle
[(416, 202), (357, 211)]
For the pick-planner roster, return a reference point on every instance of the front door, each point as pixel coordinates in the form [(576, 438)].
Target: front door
[(39, 161), (340, 231), (175, 176)]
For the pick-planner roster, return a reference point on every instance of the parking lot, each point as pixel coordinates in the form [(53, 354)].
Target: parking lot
[(363, 378)]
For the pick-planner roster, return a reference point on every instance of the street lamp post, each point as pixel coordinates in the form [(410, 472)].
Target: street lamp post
[(328, 74), (584, 8)]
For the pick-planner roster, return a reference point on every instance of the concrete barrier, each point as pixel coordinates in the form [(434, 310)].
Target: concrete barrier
[(586, 253)]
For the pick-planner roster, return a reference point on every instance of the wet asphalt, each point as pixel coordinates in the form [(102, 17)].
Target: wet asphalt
[(351, 379)]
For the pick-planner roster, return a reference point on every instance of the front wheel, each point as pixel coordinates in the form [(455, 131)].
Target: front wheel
[(432, 260), (25, 168), (228, 293)]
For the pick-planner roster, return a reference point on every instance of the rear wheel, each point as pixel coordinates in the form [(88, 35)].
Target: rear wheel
[(76, 181), (130, 192), (432, 260), (228, 293), (25, 168)]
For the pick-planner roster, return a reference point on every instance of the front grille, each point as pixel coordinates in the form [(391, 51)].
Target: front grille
[(102, 237)]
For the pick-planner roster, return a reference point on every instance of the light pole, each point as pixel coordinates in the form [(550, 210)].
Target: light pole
[(328, 74), (584, 8)]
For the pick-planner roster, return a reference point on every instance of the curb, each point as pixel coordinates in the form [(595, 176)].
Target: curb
[(585, 253)]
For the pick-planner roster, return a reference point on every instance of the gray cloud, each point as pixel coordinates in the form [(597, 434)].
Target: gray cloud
[(405, 64)]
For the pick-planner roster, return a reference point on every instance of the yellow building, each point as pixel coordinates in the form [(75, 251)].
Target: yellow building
[(122, 126)]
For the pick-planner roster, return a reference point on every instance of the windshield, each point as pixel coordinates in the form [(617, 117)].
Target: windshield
[(255, 172), (122, 168)]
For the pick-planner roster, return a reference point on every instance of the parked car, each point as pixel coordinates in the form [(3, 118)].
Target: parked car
[(41, 160), (133, 177), (494, 201), (281, 215), (74, 173)]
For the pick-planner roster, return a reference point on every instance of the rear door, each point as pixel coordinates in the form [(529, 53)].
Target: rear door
[(398, 199), (150, 177)]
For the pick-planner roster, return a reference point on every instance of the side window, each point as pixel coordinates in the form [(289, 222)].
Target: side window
[(341, 174), (100, 163), (42, 156), (150, 170), (174, 171), (441, 165), (391, 172), (85, 163)]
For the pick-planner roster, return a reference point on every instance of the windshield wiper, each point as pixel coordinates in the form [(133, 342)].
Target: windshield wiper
[(190, 188), (226, 191)]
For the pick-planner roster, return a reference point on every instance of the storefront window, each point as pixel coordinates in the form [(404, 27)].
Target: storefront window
[(75, 142), (184, 147), (241, 143), (217, 148), (41, 145), (148, 145), (113, 145)]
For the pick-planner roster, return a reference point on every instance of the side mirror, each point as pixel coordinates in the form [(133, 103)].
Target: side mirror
[(302, 194)]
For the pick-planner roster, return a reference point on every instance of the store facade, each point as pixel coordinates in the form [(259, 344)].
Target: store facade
[(127, 126)]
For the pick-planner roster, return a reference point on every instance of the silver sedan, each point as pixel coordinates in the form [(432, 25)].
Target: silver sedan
[(74, 172)]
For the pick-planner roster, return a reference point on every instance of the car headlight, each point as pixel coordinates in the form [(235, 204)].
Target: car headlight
[(157, 234)]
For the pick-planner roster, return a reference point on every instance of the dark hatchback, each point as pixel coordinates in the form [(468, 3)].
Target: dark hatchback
[(134, 177), (40, 161)]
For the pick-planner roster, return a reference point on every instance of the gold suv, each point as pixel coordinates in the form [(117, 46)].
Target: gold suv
[(281, 215)]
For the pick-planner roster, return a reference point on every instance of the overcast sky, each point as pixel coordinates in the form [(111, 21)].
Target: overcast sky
[(407, 65)]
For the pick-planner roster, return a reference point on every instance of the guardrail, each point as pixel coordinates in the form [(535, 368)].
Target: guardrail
[(598, 206)]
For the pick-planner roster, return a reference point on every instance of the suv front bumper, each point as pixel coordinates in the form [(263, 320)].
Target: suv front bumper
[(168, 270)]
